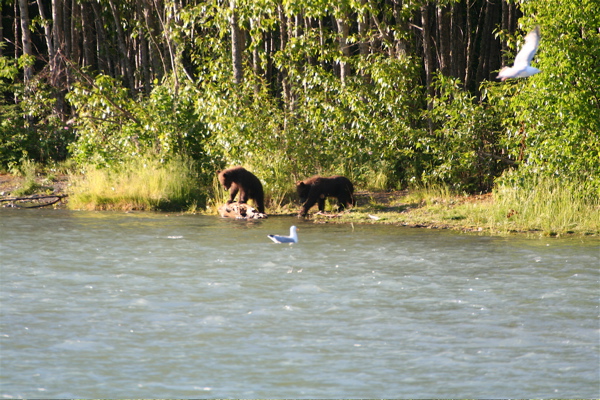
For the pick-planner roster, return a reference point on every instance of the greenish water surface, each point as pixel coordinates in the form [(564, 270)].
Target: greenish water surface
[(142, 305)]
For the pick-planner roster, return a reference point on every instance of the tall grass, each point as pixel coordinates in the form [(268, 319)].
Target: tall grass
[(142, 184), (540, 205), (550, 205)]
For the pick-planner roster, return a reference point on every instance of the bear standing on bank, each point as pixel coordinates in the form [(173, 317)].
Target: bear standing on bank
[(316, 189), (238, 179)]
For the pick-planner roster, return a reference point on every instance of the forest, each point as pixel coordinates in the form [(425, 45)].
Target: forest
[(391, 93)]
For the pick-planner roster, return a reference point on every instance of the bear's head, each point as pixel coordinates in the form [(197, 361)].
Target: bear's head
[(225, 179), (303, 189)]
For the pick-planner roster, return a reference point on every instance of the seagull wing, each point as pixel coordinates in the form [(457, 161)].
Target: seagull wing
[(281, 239), (525, 55), (293, 238)]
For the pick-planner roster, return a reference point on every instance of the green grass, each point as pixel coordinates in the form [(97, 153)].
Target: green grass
[(544, 207), (28, 170), (548, 205), (143, 184)]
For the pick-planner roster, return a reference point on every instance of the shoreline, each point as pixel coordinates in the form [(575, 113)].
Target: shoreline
[(463, 213)]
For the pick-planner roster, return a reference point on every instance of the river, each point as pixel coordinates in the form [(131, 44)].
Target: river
[(144, 305)]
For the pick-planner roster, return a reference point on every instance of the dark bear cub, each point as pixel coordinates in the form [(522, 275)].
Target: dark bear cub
[(238, 179), (316, 189)]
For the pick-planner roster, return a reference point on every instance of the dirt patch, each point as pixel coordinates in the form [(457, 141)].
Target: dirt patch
[(43, 184), (364, 197), (41, 191)]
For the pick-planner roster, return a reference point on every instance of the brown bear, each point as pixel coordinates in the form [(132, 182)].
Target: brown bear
[(238, 179), (316, 189)]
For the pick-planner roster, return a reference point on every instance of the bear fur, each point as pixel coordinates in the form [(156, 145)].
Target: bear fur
[(238, 179), (316, 189)]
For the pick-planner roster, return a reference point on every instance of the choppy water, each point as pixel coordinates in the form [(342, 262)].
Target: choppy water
[(109, 305)]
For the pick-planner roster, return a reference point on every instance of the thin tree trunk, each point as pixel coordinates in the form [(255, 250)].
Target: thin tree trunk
[(144, 59), (285, 85), (483, 66), (1, 31), (74, 49), (236, 45), (47, 30), (157, 58), (15, 27), (444, 26), (343, 32), (103, 61), (428, 57), (26, 38), (87, 26), (68, 28), (458, 46), (363, 26), (472, 32), (124, 59), (322, 42)]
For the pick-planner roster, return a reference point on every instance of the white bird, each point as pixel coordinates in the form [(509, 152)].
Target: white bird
[(521, 67), (293, 238)]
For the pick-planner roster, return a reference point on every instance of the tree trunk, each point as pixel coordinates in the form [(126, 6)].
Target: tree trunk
[(144, 59), (74, 32), (26, 38), (428, 57), (343, 32), (486, 41), (458, 45), (1, 31), (444, 26), (470, 66), (363, 26), (47, 30), (89, 44), (236, 46), (157, 58), (124, 59), (283, 38)]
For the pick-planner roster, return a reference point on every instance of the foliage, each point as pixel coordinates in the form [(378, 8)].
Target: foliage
[(29, 127), (383, 122), (113, 127), (556, 114), (353, 129), (465, 148)]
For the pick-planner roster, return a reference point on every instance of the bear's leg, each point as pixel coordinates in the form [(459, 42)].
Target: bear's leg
[(243, 196), (233, 191), (260, 205), (321, 204), (306, 206)]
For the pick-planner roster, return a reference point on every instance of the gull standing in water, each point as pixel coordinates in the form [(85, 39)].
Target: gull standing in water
[(521, 67), (293, 238)]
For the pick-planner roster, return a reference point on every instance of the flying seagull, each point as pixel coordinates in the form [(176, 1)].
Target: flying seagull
[(521, 67), (293, 238)]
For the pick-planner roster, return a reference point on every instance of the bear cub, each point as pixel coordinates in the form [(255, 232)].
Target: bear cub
[(238, 179), (316, 189)]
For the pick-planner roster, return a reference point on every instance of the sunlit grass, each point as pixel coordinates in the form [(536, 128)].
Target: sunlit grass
[(143, 184), (544, 207), (548, 205)]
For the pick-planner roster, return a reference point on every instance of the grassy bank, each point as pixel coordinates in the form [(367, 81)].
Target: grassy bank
[(545, 208), (144, 184)]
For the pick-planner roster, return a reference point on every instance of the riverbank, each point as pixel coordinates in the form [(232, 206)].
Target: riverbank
[(492, 213), (487, 213)]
